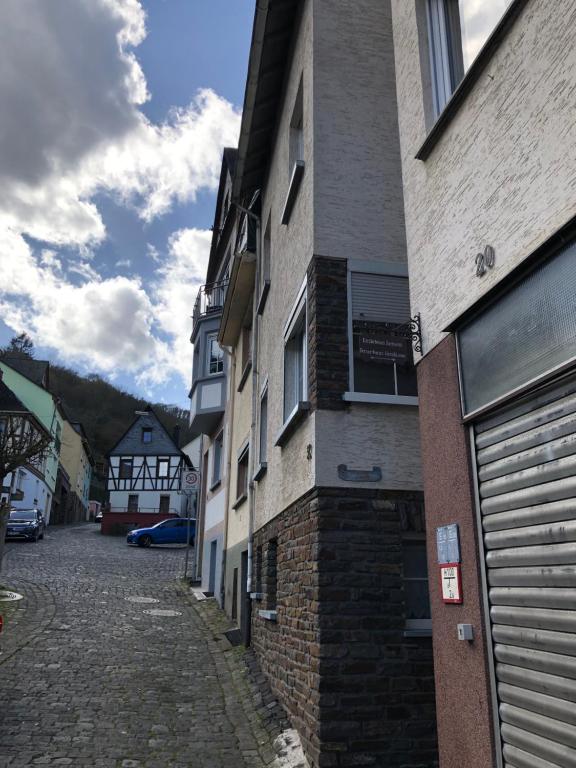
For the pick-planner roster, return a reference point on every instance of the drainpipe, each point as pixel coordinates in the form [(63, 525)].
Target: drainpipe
[(255, 398), (228, 422)]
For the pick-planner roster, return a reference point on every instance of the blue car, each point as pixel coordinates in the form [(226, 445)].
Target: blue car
[(171, 531)]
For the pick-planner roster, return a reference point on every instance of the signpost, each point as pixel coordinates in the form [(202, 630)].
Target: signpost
[(189, 485)]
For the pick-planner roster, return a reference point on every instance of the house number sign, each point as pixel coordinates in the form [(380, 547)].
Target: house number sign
[(485, 260)]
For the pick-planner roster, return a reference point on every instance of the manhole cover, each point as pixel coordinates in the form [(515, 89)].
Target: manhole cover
[(142, 600), (9, 597), (162, 612)]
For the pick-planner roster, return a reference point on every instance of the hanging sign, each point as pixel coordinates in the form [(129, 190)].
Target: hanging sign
[(451, 583), (382, 347)]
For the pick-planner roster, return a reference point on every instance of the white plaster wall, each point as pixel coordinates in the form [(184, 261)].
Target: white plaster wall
[(504, 170), (36, 494), (288, 476), (358, 206), (147, 500), (214, 510), (211, 395), (368, 436)]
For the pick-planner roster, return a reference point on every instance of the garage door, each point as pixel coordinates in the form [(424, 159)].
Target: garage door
[(526, 458)]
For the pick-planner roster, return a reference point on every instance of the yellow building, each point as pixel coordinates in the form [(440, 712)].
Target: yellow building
[(76, 459)]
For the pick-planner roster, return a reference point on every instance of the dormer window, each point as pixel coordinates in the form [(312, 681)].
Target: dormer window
[(146, 434)]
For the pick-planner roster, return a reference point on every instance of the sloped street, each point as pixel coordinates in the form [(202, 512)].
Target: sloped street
[(110, 663)]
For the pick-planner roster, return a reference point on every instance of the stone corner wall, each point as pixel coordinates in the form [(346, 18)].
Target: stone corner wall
[(328, 373), (358, 691)]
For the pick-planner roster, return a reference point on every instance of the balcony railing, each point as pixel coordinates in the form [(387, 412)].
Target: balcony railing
[(210, 299), (141, 510)]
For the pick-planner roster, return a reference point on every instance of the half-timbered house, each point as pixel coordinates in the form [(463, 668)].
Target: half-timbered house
[(144, 476)]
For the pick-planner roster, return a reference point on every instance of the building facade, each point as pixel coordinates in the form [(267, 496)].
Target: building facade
[(76, 461), (488, 158), (209, 390), (325, 514), (144, 476), (34, 485)]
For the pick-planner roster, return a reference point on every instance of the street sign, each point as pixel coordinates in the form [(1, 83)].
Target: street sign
[(190, 480), (451, 581)]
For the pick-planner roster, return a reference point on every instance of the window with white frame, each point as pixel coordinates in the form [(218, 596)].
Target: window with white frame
[(382, 362), (263, 428), (217, 459), (296, 360), (163, 468), (457, 30), (214, 355)]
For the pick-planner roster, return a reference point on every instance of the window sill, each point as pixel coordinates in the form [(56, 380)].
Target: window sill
[(215, 485), (261, 471), (263, 297), (268, 615), (369, 397), (294, 186), (289, 426), (417, 633), (245, 372), (470, 79), (239, 501)]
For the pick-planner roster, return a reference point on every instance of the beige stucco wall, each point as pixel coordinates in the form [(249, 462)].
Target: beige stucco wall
[(367, 436), (358, 206), (504, 170), (288, 477)]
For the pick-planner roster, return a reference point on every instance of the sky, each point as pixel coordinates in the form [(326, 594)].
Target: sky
[(114, 117)]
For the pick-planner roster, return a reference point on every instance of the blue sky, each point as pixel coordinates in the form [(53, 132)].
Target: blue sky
[(105, 231)]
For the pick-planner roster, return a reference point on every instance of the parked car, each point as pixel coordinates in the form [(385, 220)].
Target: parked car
[(171, 531), (25, 524)]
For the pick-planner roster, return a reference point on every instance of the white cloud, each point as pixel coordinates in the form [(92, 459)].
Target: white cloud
[(71, 88)]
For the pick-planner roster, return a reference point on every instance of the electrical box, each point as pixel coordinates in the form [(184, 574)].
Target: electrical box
[(465, 632)]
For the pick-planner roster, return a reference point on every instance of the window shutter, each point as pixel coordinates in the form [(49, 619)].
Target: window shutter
[(380, 298)]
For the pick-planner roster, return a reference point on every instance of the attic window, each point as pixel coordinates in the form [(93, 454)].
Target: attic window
[(146, 434)]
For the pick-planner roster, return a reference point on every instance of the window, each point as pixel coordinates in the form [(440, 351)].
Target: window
[(264, 272), (217, 459), (415, 569), (382, 362), (295, 361), (125, 469), (263, 433), (146, 434), (246, 347), (271, 570), (58, 438), (296, 149), (214, 355), (164, 504), (242, 475), (20, 480), (133, 502), (163, 468), (457, 30)]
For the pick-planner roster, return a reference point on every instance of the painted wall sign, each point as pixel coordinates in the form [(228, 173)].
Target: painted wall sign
[(451, 582), (448, 543)]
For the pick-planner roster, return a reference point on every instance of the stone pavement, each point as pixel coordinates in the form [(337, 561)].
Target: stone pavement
[(110, 662)]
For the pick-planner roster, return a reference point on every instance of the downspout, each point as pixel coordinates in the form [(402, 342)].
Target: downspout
[(228, 420), (252, 472)]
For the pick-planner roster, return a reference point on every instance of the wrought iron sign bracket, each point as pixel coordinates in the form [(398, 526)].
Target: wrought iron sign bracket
[(416, 331)]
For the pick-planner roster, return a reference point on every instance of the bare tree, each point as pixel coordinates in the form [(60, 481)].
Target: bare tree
[(23, 441), (20, 345)]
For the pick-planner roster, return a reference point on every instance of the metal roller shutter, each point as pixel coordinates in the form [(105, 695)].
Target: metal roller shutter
[(380, 298), (526, 457)]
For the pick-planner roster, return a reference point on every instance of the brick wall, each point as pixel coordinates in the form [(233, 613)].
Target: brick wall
[(357, 690), (327, 333)]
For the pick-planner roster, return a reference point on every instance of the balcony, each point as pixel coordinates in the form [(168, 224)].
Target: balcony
[(209, 302)]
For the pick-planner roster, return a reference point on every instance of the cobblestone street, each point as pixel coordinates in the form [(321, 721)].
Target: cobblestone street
[(109, 662)]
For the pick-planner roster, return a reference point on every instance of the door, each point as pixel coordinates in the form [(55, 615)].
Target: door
[(133, 502), (164, 508), (526, 460), (212, 572)]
